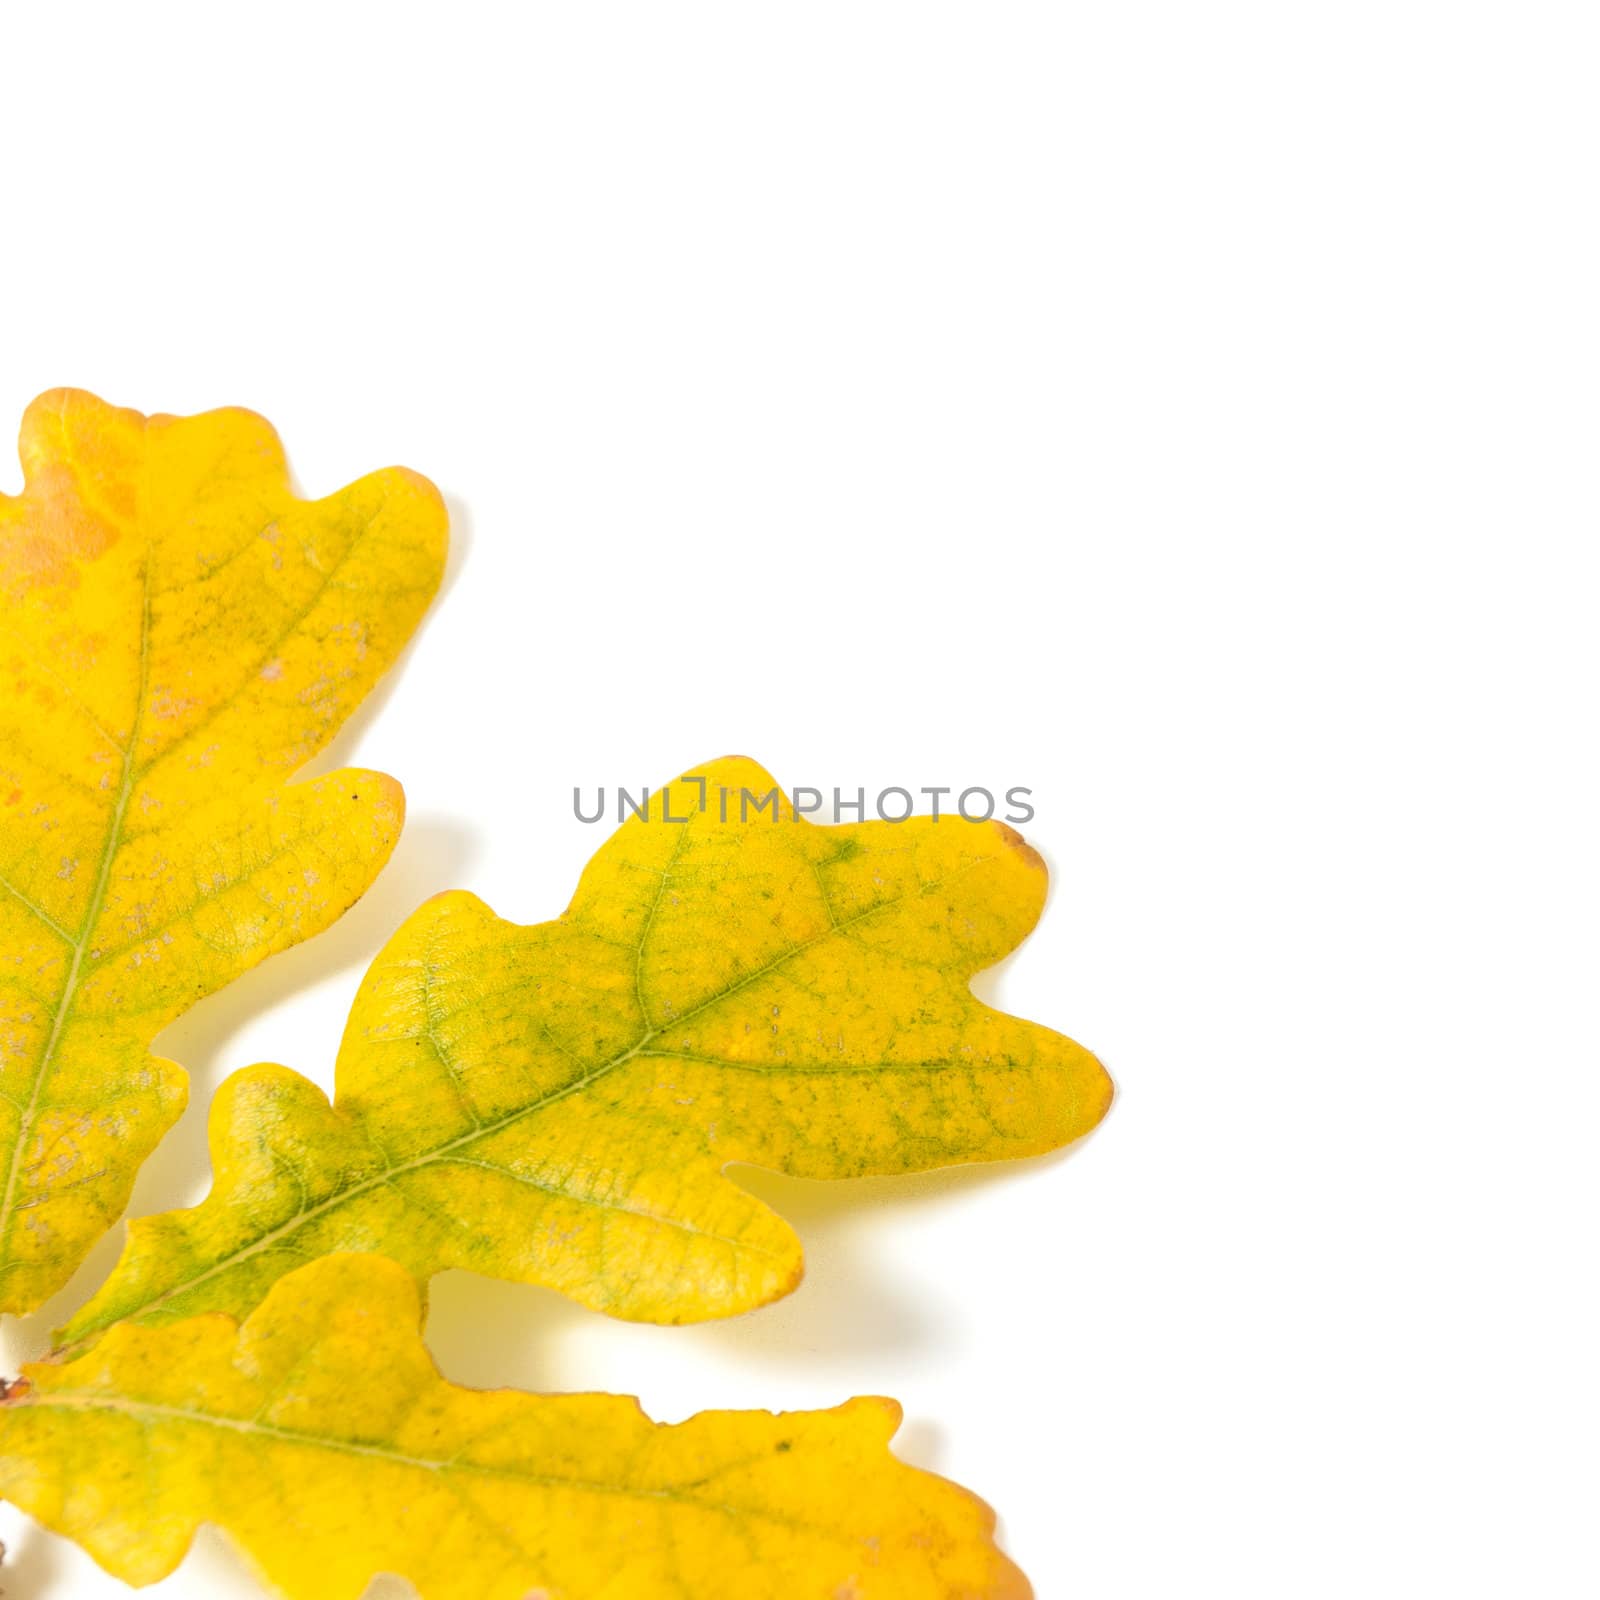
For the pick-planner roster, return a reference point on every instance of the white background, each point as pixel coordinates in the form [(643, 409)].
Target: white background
[(1188, 411)]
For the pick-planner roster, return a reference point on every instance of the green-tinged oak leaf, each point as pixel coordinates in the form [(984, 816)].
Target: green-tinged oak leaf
[(178, 633), (320, 1437), (556, 1104)]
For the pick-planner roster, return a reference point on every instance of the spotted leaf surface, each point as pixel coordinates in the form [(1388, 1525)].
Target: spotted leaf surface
[(322, 1440), (556, 1104), (178, 633)]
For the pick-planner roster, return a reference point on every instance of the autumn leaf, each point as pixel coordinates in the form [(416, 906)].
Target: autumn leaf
[(556, 1104), (180, 634), (321, 1438)]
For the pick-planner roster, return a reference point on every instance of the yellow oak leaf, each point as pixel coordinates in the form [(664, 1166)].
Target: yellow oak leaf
[(321, 1438), (556, 1104), (178, 633)]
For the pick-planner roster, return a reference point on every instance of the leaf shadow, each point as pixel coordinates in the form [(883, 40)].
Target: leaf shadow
[(855, 1304), (921, 1442)]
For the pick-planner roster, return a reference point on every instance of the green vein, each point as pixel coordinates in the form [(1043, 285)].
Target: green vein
[(108, 854), (38, 911)]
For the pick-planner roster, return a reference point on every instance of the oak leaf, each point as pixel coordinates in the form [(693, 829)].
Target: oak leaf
[(321, 1438), (556, 1104), (179, 634)]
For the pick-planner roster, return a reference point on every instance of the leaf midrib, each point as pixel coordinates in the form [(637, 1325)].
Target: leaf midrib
[(69, 987), (488, 1130), (151, 1412)]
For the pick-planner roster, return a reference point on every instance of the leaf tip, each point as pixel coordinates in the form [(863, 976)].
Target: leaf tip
[(427, 516)]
